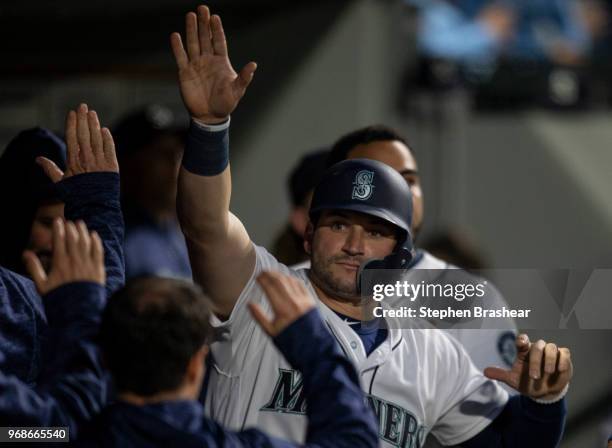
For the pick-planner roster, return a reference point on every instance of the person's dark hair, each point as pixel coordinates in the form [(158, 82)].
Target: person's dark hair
[(24, 187), (363, 136), (306, 175), (150, 329)]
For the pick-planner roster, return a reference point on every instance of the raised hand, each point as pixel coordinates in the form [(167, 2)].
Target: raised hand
[(90, 148), (541, 369), (288, 298), (210, 87), (78, 256)]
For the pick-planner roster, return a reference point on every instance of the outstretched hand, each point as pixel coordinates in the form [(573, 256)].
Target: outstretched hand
[(541, 370), (288, 298), (78, 256), (210, 87), (89, 147)]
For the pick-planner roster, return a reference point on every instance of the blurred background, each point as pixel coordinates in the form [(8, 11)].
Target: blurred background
[(506, 104)]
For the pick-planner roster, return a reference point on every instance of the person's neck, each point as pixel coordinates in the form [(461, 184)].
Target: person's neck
[(139, 400), (348, 307)]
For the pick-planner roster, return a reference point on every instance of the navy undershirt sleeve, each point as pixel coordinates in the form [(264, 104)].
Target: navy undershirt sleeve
[(523, 423)]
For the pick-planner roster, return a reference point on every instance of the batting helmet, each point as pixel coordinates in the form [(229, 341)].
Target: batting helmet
[(373, 188)]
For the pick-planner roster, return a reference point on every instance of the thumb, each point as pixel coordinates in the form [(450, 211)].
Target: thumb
[(496, 373), (50, 169), (246, 76)]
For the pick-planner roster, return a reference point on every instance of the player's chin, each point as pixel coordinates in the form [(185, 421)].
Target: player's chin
[(346, 283)]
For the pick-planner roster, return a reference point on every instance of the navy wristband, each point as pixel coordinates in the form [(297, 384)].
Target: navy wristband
[(206, 152)]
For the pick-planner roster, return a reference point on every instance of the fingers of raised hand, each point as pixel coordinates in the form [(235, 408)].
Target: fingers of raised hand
[(536, 355), (86, 156), (59, 243), (245, 77), (565, 360), (84, 240), (191, 35), (90, 147), (97, 144), (499, 374), (72, 144), (204, 33), (110, 154), (180, 56), (270, 282), (73, 250), (551, 353), (218, 36), (50, 168), (35, 269)]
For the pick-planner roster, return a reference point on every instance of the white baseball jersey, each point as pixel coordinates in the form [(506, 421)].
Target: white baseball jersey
[(417, 381), (486, 346)]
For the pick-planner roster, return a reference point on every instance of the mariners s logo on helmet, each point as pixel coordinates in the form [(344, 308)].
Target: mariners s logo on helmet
[(363, 186)]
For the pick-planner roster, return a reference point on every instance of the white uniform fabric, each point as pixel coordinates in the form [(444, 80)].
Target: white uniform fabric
[(418, 381), (486, 346)]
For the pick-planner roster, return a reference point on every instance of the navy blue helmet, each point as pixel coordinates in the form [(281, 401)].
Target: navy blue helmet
[(372, 188)]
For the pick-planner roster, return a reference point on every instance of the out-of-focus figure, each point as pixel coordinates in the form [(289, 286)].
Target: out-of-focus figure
[(289, 245), (28, 197), (512, 51), (480, 31), (150, 147)]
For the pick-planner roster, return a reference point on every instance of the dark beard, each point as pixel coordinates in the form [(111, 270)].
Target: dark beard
[(321, 275)]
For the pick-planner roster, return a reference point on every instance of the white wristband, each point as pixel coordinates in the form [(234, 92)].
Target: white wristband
[(213, 127), (554, 399)]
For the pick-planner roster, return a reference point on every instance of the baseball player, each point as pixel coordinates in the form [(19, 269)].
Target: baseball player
[(485, 346), (361, 211)]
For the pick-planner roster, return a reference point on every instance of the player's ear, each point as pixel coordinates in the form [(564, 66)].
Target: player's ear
[(308, 236), (299, 220), (196, 366)]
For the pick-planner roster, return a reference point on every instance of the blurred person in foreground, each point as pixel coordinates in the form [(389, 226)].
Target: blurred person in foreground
[(88, 188), (71, 388), (150, 147), (154, 337), (289, 245)]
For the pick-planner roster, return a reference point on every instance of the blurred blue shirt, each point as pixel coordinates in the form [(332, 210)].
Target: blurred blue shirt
[(450, 29)]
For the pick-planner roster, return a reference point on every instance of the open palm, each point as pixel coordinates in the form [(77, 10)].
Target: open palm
[(210, 87)]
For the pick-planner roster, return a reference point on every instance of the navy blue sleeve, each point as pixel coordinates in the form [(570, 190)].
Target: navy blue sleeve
[(338, 416), (94, 198), (71, 389), (23, 325), (523, 423)]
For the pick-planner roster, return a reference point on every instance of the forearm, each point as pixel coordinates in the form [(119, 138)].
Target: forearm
[(94, 198), (336, 409), (204, 188), (523, 424), (72, 387)]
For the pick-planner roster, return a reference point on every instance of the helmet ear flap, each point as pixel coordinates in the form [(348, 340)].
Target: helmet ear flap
[(400, 258)]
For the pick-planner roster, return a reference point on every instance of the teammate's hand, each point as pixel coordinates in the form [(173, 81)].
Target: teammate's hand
[(210, 87), (77, 256), (288, 298), (541, 370), (90, 148)]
